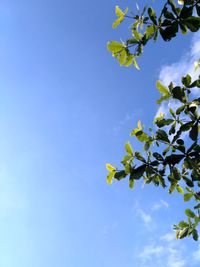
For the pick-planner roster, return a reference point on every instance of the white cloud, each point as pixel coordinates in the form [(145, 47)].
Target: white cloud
[(166, 251), (168, 237), (147, 219), (196, 255), (185, 65), (174, 72), (151, 251), (159, 205)]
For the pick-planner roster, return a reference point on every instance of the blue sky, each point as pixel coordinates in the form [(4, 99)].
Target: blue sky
[(66, 108)]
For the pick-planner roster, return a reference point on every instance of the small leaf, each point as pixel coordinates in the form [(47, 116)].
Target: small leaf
[(128, 148), (195, 235), (179, 189), (135, 64), (109, 167), (110, 177), (119, 12), (131, 183), (194, 132), (162, 89), (115, 47), (189, 213), (188, 196), (120, 175), (149, 31), (183, 224)]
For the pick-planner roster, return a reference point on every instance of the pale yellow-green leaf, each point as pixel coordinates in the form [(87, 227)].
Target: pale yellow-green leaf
[(127, 168), (128, 148), (179, 189), (134, 131), (181, 2), (122, 57), (110, 177), (109, 167), (115, 46), (131, 183), (135, 64), (162, 89), (136, 34), (139, 125), (129, 60), (150, 31), (117, 22), (119, 12)]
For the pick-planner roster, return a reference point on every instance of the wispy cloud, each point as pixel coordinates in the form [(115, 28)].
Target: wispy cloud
[(159, 205), (165, 247), (127, 118), (144, 216), (196, 255)]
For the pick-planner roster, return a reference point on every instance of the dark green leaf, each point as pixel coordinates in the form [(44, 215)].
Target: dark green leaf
[(138, 172), (195, 235), (158, 156), (194, 132), (120, 175), (162, 135), (186, 80)]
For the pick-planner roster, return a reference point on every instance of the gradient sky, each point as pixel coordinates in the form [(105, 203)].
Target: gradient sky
[(66, 108)]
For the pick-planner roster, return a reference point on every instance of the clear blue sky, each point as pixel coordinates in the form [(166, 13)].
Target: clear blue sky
[(66, 108)]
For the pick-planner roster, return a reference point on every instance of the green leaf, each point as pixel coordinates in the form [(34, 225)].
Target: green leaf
[(109, 167), (129, 60), (135, 64), (180, 109), (189, 213), (194, 132), (119, 12), (183, 233), (119, 175), (195, 235), (174, 159), (136, 34), (193, 23), (188, 196), (162, 135), (152, 15), (131, 183), (115, 47), (179, 189), (150, 31), (122, 57), (158, 156), (141, 136), (183, 224), (186, 80), (121, 16), (178, 93), (139, 156), (138, 172), (110, 177), (162, 89), (128, 148)]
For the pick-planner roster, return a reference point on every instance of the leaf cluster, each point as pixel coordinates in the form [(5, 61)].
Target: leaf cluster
[(171, 153), (148, 25)]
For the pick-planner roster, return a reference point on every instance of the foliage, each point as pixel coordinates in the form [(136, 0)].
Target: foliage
[(147, 26), (171, 156)]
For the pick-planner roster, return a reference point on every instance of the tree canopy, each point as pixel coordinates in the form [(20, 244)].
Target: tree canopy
[(171, 150)]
